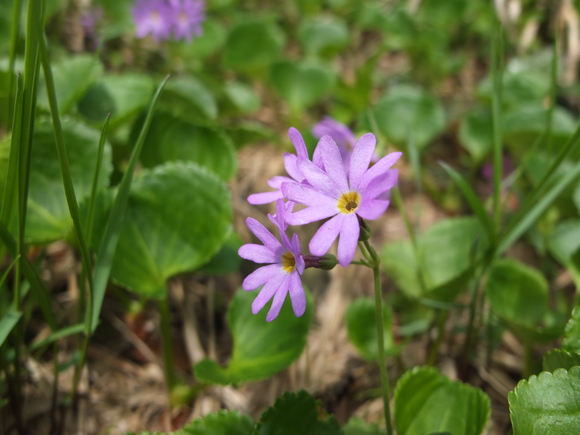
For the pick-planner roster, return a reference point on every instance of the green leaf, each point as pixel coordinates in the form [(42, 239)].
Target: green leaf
[(362, 328), (399, 260), (518, 294), (357, 426), (220, 423), (7, 322), (560, 359), (261, 349), (409, 113), (72, 78), (302, 84), (227, 260), (242, 96), (252, 45), (572, 332), (208, 43), (178, 216), (297, 414), (122, 96), (171, 138), (48, 214), (475, 134), (426, 401), (249, 132), (564, 245), (546, 404), (189, 98), (323, 36)]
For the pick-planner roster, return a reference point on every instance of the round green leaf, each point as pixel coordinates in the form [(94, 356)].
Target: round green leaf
[(560, 359), (400, 263), (261, 349), (242, 96), (426, 401), (548, 404), (189, 98), (178, 216), (572, 333), (72, 78), (301, 84), (48, 216), (323, 36), (518, 294), (362, 329), (171, 138), (297, 414), (475, 134), (252, 45), (122, 96), (220, 423), (409, 113)]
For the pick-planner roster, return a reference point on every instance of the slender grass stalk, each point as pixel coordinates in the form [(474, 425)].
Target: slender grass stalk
[(14, 34), (168, 365), (553, 91)]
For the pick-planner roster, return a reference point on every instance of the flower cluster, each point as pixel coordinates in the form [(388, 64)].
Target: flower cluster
[(168, 19), (337, 184)]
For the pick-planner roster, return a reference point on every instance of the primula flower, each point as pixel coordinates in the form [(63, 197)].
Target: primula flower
[(331, 193), (152, 17), (187, 16), (291, 168), (284, 266), (342, 135)]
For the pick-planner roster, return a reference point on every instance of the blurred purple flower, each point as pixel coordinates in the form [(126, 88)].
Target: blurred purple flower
[(330, 192), (152, 17), (89, 20), (284, 266), (342, 135), (187, 16)]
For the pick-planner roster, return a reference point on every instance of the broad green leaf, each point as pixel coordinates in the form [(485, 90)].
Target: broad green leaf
[(122, 96), (564, 244), (171, 138), (178, 217), (572, 332), (72, 78), (7, 322), (48, 214), (261, 349), (226, 261), (242, 96), (560, 359), (302, 84), (409, 113), (297, 414), (220, 423), (208, 43), (546, 404), (252, 45), (362, 329), (189, 98), (475, 134), (357, 426), (249, 132), (401, 266), (518, 294), (426, 401), (323, 36)]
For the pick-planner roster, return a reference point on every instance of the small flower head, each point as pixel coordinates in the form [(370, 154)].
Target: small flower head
[(331, 193), (284, 266), (187, 16), (153, 18)]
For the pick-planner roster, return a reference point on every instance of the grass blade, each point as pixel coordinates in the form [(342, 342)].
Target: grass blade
[(57, 335), (7, 323), (108, 245)]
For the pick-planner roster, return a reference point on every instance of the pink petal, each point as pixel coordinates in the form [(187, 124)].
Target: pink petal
[(263, 234), (291, 168), (278, 299), (348, 239), (372, 208), (297, 295), (298, 142), (307, 195), (326, 235), (259, 253), (270, 289), (264, 197), (379, 168), (361, 158), (276, 181), (310, 214), (261, 276), (333, 163), (381, 184), (318, 179)]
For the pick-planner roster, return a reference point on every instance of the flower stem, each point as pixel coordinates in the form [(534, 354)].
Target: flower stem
[(380, 335), (168, 366)]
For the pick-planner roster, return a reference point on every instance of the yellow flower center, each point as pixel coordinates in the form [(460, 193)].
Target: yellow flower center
[(349, 202), (288, 262)]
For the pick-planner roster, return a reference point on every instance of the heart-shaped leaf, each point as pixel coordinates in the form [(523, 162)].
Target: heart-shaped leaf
[(171, 138), (560, 359), (178, 216), (302, 84), (297, 413), (322, 36), (252, 45), (426, 402), (122, 96), (219, 423), (261, 349), (518, 294), (362, 328), (72, 78), (546, 404)]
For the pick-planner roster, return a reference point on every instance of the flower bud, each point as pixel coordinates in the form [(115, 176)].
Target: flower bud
[(326, 262)]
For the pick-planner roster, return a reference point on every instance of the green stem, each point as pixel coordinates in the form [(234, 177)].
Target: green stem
[(442, 316), (380, 335), (168, 366)]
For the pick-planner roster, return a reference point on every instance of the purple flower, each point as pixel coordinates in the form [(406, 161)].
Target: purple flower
[(342, 135), (152, 17), (284, 266), (291, 168), (330, 192), (187, 16)]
